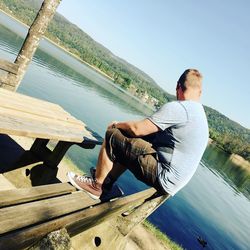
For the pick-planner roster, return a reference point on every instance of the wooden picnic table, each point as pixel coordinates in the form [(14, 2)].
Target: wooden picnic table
[(23, 115), (27, 116)]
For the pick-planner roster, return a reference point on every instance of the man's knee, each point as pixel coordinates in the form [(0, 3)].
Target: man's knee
[(109, 139), (109, 133)]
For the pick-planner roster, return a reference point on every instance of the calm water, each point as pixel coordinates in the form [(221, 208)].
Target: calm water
[(214, 205)]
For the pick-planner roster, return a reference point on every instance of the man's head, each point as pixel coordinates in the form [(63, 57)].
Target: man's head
[(189, 85)]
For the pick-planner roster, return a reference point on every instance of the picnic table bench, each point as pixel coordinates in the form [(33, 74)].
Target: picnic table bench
[(29, 214), (7, 67)]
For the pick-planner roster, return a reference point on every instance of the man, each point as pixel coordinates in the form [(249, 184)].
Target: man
[(163, 150)]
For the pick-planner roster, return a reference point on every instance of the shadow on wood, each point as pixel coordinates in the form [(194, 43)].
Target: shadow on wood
[(22, 167), (13, 156)]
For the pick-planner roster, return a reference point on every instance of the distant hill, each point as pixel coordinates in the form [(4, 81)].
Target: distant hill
[(228, 134)]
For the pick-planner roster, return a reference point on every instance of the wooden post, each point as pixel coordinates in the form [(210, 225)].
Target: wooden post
[(31, 42), (126, 224)]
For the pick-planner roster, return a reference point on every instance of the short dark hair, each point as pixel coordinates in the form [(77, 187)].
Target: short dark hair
[(191, 77)]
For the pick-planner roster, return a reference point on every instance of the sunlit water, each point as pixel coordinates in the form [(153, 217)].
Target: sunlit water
[(214, 205)]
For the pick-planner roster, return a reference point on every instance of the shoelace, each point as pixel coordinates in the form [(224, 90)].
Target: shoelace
[(85, 178)]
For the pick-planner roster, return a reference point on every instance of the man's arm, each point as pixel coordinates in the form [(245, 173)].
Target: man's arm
[(136, 128)]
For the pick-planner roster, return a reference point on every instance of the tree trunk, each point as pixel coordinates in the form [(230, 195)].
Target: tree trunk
[(31, 42)]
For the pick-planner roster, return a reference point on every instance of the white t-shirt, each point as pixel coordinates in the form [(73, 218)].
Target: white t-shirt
[(181, 142)]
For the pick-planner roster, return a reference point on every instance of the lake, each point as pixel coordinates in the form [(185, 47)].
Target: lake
[(214, 205)]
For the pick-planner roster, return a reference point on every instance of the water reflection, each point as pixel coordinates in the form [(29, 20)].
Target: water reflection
[(9, 43), (220, 163)]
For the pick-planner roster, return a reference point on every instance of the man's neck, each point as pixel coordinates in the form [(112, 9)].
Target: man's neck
[(192, 96)]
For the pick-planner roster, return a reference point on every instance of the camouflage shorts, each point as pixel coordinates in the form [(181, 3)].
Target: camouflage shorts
[(135, 154)]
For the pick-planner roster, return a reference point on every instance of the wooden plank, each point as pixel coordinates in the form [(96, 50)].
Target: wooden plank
[(18, 126), (126, 224), (3, 81), (17, 101), (21, 195), (11, 94), (28, 99), (50, 120), (42, 211), (14, 98), (77, 221), (95, 138), (33, 108), (38, 121), (8, 66)]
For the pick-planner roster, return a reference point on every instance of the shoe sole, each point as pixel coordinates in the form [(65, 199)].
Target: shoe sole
[(71, 180)]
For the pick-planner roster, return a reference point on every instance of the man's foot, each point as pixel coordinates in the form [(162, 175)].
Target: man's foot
[(110, 191), (86, 183), (114, 193), (107, 184)]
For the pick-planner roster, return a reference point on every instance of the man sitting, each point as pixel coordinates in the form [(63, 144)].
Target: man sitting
[(163, 150)]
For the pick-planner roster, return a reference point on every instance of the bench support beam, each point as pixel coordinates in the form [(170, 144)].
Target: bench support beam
[(53, 158)]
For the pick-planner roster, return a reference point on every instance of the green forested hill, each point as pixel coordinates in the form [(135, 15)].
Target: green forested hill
[(228, 134)]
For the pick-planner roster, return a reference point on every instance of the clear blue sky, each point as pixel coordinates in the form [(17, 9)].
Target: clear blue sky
[(163, 38)]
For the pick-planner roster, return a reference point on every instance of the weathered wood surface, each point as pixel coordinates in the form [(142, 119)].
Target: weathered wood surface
[(23, 215), (8, 66), (22, 195), (126, 223), (84, 214), (26, 116)]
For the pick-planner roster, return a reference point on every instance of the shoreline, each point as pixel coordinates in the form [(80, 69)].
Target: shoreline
[(238, 160)]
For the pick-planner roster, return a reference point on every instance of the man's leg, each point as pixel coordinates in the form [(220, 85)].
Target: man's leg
[(104, 165), (126, 151), (93, 185), (107, 172), (117, 170), (104, 168)]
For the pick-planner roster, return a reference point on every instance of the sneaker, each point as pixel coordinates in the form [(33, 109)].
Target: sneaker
[(110, 191), (92, 172), (87, 184), (107, 185)]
